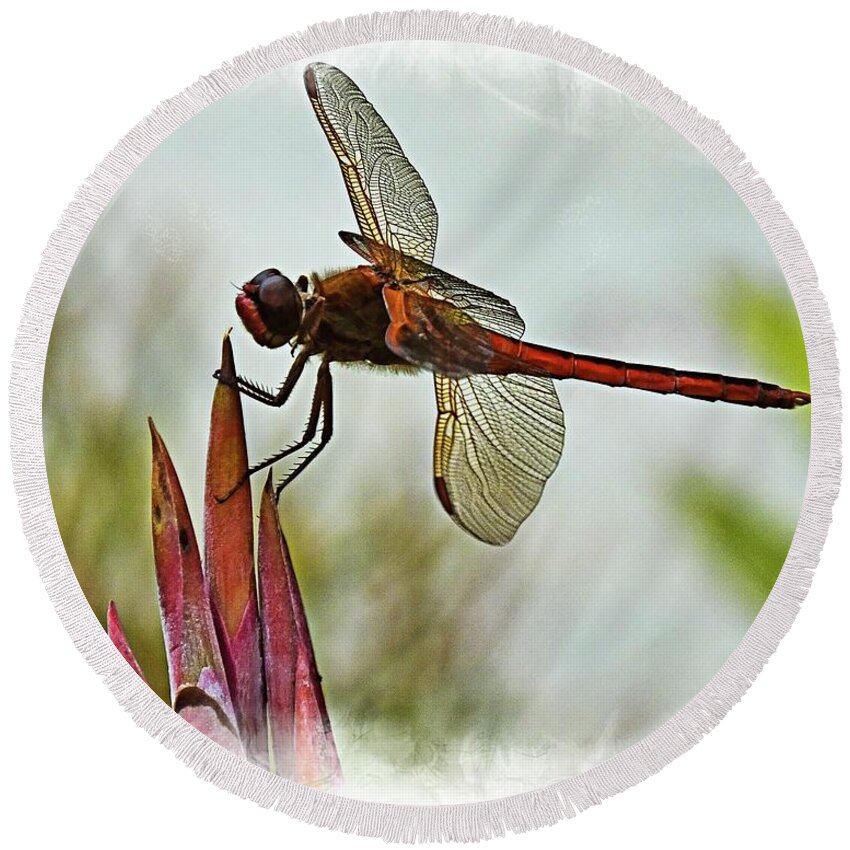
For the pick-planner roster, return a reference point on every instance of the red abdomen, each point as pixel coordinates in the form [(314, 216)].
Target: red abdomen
[(510, 355)]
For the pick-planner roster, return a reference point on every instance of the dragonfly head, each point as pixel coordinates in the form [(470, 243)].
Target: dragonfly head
[(271, 307)]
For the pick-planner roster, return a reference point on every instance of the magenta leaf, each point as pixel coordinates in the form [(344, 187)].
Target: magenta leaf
[(192, 650), (229, 560), (280, 640), (115, 630), (302, 740)]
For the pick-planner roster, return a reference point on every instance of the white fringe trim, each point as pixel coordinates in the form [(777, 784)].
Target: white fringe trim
[(467, 822)]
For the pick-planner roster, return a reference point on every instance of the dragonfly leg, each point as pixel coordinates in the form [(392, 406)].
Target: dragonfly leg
[(321, 406), (322, 401), (261, 394)]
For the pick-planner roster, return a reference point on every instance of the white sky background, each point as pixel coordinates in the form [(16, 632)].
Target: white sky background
[(609, 233)]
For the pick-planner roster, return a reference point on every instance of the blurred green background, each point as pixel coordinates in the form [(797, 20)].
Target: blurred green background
[(453, 671)]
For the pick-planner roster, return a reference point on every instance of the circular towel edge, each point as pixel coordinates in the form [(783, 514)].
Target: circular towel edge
[(463, 821)]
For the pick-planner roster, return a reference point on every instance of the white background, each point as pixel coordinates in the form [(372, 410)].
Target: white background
[(77, 78)]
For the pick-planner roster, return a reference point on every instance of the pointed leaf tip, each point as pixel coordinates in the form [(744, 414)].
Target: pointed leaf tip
[(227, 370), (268, 487), (115, 630), (156, 438)]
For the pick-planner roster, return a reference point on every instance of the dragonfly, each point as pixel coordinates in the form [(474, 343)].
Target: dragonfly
[(500, 427)]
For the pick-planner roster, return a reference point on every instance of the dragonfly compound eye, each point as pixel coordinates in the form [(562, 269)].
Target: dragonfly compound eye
[(271, 308), (280, 303)]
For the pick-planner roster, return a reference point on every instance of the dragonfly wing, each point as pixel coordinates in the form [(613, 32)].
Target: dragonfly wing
[(390, 200), (497, 441), (499, 436), (489, 310)]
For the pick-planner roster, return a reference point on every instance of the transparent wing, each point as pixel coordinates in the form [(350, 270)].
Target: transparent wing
[(390, 200), (486, 308), (497, 441)]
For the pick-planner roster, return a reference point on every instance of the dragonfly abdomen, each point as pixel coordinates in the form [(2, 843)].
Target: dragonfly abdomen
[(512, 355)]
